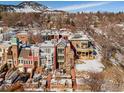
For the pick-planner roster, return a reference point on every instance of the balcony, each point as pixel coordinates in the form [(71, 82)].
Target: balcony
[(61, 60), (85, 50), (60, 54)]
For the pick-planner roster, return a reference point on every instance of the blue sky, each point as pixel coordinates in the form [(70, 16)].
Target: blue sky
[(77, 6)]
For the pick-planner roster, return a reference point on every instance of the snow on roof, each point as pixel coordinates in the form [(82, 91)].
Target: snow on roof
[(6, 44), (46, 44), (78, 36), (23, 33), (61, 40), (43, 82), (91, 65), (36, 75), (9, 33), (34, 47), (50, 32), (62, 81), (54, 33), (65, 33)]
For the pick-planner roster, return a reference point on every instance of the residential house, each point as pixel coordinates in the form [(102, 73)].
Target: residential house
[(24, 56), (64, 55), (28, 58), (83, 46)]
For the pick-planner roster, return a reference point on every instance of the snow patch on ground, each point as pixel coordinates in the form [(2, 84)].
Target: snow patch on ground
[(98, 31), (117, 59), (119, 56), (91, 65), (120, 25), (114, 61)]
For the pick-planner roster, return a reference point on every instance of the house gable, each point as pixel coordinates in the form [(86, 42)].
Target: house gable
[(61, 44)]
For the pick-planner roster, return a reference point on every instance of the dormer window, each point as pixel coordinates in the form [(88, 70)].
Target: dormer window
[(77, 45)]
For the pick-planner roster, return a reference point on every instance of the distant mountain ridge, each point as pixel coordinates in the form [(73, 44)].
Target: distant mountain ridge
[(26, 6)]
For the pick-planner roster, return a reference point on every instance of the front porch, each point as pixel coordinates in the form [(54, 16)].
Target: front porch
[(86, 54)]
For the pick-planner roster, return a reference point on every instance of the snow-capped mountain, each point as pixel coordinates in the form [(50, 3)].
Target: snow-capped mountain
[(26, 6)]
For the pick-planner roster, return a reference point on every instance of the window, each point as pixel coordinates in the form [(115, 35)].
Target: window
[(10, 61), (48, 51), (90, 52), (84, 45), (35, 63), (22, 61), (77, 45), (43, 61), (52, 59), (61, 63), (60, 57), (78, 53), (0, 50), (86, 53), (61, 51), (26, 62), (15, 62), (31, 62), (19, 61), (0, 58), (83, 53)]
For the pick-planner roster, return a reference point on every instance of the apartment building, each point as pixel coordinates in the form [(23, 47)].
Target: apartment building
[(47, 50)]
